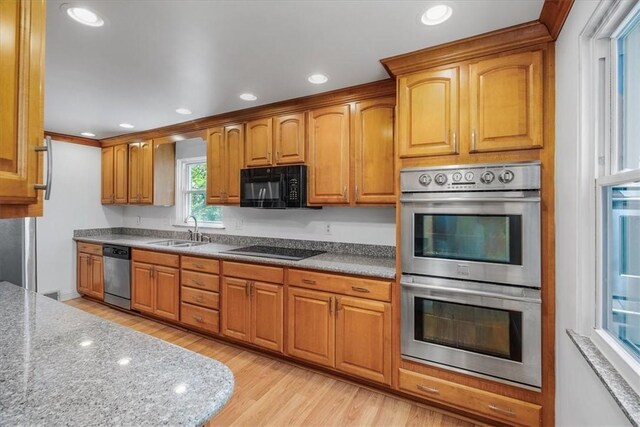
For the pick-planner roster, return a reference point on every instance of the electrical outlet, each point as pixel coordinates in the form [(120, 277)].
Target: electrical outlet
[(239, 223), (327, 228), (138, 220)]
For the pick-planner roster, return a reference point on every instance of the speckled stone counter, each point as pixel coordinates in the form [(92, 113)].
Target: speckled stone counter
[(62, 366), (364, 265)]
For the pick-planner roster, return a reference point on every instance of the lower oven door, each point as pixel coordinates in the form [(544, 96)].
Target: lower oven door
[(486, 329)]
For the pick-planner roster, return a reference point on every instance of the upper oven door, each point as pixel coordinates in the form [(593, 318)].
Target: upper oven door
[(263, 188), (473, 236)]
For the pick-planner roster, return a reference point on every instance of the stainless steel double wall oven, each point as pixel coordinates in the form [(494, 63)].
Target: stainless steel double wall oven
[(471, 269)]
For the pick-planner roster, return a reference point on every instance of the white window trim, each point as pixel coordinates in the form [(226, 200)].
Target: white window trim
[(180, 200), (594, 139)]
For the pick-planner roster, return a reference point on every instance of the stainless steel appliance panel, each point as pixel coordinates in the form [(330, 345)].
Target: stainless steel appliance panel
[(117, 275), (521, 361)]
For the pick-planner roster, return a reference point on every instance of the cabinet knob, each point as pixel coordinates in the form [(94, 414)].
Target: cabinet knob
[(198, 319)]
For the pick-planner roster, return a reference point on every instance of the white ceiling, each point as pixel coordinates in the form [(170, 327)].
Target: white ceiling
[(152, 57)]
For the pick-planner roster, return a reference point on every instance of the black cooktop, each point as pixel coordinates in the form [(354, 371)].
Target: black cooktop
[(274, 252)]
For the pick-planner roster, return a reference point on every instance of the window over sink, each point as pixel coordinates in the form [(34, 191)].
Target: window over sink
[(192, 193)]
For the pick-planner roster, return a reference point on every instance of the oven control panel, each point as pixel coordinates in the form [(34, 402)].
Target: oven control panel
[(481, 177)]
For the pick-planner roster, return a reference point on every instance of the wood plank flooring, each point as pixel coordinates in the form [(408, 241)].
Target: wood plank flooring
[(272, 392)]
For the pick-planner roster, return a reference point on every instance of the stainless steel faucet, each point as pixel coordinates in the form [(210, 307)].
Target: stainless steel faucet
[(195, 234)]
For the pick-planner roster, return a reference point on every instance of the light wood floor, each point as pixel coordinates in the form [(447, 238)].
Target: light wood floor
[(271, 392)]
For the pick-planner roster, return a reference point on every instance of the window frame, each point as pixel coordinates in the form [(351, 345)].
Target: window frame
[(598, 170), (182, 192)]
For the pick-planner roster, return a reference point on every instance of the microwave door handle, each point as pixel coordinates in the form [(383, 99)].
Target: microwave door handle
[(283, 189)]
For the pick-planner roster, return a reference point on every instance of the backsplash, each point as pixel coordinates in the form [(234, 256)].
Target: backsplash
[(226, 239)]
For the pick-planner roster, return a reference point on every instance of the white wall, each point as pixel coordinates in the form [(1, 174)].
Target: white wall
[(581, 399), (74, 204), (370, 225)]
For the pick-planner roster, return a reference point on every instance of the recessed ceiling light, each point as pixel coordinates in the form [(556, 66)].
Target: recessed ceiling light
[(89, 134), (184, 111), (436, 14), (248, 97), (85, 16), (126, 126), (318, 79)]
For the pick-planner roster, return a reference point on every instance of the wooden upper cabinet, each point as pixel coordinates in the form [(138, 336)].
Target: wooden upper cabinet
[(506, 102), (329, 139), (215, 166), (374, 151), (22, 31), (115, 174), (108, 193), (363, 338), (289, 139), (234, 144), (311, 326), (259, 143), (120, 173), (429, 113), (141, 172)]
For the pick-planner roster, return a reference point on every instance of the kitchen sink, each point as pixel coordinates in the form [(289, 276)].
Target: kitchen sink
[(177, 243)]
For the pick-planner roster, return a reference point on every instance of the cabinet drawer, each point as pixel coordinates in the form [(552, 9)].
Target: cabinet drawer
[(253, 272), (201, 264), (199, 317), (207, 282), (156, 258), (506, 409), (202, 298), (90, 248), (365, 288)]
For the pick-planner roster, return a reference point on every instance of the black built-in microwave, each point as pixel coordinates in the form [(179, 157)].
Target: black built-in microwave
[(278, 187)]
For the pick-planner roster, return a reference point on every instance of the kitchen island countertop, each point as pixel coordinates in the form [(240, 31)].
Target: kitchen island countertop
[(62, 366)]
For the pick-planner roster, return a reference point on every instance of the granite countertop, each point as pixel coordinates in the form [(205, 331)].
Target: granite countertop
[(382, 267), (62, 366)]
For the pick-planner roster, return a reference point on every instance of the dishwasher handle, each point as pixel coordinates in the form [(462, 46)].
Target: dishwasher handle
[(116, 251)]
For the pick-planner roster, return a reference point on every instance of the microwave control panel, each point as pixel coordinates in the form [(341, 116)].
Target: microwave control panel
[(294, 190), (480, 177)]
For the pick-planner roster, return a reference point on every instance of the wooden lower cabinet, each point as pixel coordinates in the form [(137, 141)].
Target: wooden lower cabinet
[(484, 403), (155, 288), (311, 326), (253, 312), (90, 271), (363, 338)]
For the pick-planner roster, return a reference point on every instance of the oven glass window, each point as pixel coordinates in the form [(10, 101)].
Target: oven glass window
[(267, 190), (484, 238), (482, 330)]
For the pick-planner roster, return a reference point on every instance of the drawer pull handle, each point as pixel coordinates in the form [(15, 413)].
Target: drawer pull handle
[(428, 389), (359, 289), (198, 265), (309, 281), (198, 319), (506, 411), (198, 299)]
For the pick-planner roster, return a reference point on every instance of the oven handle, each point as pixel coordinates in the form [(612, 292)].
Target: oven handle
[(445, 292), (518, 199)]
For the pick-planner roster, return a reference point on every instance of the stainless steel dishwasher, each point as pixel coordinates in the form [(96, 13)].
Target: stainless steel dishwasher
[(117, 275)]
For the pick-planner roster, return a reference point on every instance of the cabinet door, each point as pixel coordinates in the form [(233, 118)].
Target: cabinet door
[(120, 173), (146, 172), (259, 143), (506, 103), (234, 142), (428, 113), (142, 287), (363, 338), (374, 161), (329, 134), (166, 281), (215, 166), (108, 195), (97, 277), (134, 172), (21, 75), (311, 326), (289, 138), (266, 316), (236, 309), (84, 273)]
